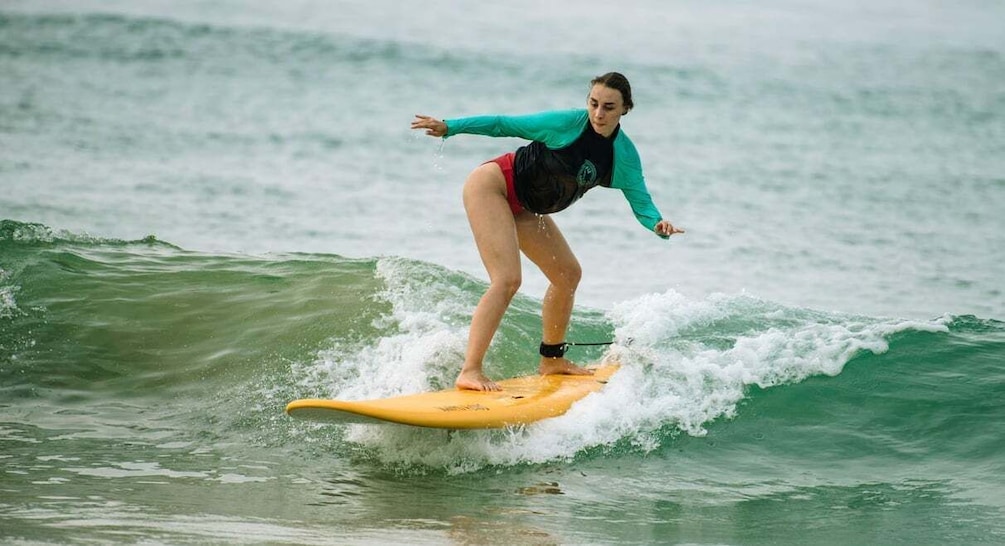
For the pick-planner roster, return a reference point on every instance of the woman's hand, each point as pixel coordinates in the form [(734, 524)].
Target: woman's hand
[(665, 229), (433, 126)]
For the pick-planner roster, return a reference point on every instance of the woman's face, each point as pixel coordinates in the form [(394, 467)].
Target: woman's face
[(606, 106)]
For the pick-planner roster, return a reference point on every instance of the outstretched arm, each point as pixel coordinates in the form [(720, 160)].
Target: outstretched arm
[(433, 126), (555, 128)]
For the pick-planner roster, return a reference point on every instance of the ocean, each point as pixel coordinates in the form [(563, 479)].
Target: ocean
[(208, 209)]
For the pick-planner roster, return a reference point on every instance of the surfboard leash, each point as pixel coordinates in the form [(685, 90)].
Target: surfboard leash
[(557, 350)]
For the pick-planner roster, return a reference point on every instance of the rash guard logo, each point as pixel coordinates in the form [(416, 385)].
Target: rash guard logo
[(587, 175)]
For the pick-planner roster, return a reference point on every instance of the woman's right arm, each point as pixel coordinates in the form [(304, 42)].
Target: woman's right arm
[(433, 126), (557, 128)]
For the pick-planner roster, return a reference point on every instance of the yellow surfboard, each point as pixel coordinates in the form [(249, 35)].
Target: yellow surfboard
[(522, 400)]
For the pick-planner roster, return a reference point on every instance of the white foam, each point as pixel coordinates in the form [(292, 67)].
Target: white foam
[(688, 364), (424, 346), (8, 305)]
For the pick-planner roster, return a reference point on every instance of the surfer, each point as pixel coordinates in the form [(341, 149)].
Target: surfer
[(508, 200)]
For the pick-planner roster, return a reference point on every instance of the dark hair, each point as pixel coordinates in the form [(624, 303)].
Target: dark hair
[(617, 80)]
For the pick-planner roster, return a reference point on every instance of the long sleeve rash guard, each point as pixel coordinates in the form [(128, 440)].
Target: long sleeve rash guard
[(565, 159)]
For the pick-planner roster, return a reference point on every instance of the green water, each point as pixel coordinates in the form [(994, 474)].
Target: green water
[(143, 388)]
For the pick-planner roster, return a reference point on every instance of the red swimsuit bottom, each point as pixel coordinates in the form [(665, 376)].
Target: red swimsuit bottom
[(505, 163)]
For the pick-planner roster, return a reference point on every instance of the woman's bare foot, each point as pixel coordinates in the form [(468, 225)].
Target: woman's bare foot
[(561, 366), (475, 380)]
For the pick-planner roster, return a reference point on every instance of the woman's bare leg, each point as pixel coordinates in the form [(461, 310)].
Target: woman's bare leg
[(542, 242), (494, 229)]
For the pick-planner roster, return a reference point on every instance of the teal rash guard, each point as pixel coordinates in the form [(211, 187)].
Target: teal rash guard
[(565, 159)]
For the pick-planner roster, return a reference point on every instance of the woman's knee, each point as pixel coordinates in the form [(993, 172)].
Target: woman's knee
[(565, 277), (507, 285), (569, 275)]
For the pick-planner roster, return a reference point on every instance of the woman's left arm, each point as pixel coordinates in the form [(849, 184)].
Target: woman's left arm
[(665, 229), (629, 179)]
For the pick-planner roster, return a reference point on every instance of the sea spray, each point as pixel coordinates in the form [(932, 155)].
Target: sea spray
[(685, 365)]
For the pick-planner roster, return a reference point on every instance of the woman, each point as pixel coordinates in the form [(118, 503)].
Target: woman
[(507, 201)]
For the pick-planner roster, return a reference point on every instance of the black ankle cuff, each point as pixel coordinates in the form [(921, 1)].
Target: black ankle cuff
[(553, 351)]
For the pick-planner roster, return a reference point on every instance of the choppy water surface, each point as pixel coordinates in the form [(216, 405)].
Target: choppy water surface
[(207, 211)]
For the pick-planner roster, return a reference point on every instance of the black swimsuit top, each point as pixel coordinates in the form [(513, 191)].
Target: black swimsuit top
[(548, 181)]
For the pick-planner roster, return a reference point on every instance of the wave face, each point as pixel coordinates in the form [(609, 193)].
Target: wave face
[(90, 321)]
